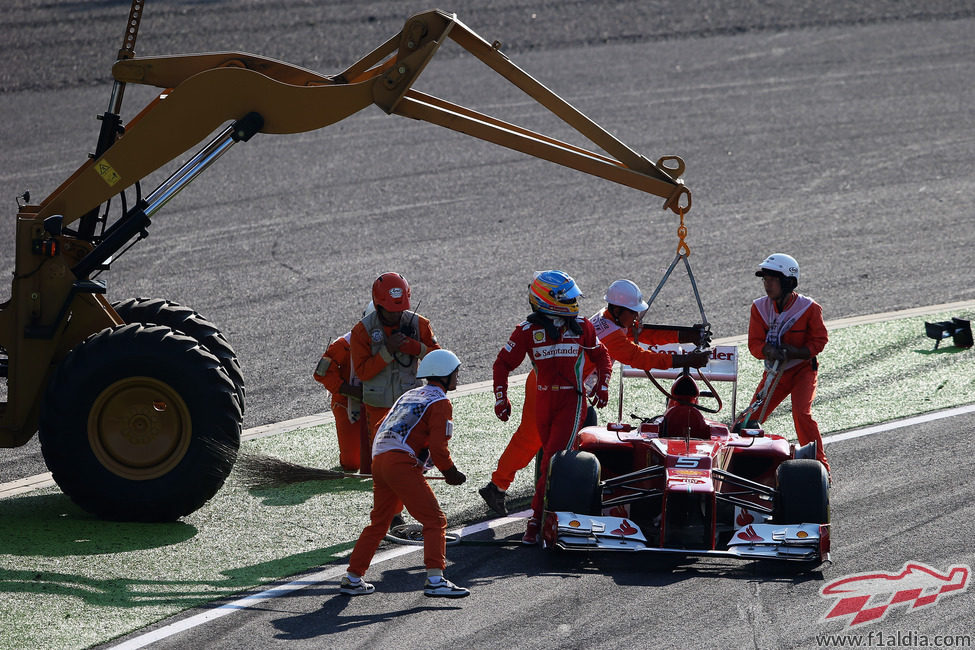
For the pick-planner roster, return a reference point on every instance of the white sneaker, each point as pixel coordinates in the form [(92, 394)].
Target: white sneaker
[(444, 588), (355, 588)]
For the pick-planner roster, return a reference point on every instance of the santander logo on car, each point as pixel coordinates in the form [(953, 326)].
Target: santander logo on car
[(868, 597)]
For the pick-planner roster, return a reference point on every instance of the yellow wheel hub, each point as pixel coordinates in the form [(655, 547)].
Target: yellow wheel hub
[(139, 428)]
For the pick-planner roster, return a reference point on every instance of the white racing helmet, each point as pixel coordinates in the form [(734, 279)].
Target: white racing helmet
[(438, 363), (625, 293), (781, 263)]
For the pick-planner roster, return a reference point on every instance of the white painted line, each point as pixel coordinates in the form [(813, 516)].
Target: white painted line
[(26, 484), (324, 418), (311, 579), (883, 317), (961, 305), (900, 424)]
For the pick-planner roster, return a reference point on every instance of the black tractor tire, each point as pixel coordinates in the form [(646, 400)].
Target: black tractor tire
[(803, 493), (140, 424), (573, 484), (156, 311)]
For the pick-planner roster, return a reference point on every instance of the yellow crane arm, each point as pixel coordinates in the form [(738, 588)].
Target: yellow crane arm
[(203, 91)]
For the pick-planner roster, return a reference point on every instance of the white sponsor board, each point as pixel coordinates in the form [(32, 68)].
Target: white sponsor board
[(722, 364)]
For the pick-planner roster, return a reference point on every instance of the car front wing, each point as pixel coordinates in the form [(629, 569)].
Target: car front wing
[(796, 542)]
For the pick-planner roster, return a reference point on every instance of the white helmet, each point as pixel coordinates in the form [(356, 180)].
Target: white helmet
[(438, 363), (625, 293), (782, 263)]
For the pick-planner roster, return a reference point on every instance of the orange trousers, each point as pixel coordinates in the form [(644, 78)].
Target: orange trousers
[(524, 443), (799, 382), (349, 436), (397, 481)]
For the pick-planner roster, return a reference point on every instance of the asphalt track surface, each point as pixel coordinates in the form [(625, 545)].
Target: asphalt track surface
[(839, 132), (896, 498)]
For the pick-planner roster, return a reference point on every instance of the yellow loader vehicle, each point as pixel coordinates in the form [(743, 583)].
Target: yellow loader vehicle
[(139, 402)]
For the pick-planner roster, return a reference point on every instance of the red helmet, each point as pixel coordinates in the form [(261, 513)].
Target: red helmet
[(391, 291)]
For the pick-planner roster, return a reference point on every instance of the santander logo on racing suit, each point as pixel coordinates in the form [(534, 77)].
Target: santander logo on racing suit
[(868, 597), (556, 350)]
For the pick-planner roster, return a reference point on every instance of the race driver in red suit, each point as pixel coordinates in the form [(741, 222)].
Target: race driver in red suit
[(618, 327), (558, 341), (787, 327)]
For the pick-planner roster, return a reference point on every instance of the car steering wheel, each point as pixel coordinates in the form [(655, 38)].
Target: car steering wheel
[(681, 399)]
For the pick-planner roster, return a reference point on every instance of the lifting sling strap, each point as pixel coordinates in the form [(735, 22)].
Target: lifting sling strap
[(683, 252)]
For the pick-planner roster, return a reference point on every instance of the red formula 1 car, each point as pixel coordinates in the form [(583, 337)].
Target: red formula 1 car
[(681, 483)]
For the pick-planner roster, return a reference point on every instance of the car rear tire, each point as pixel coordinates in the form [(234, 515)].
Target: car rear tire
[(573, 483), (140, 424), (156, 311), (803, 493)]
